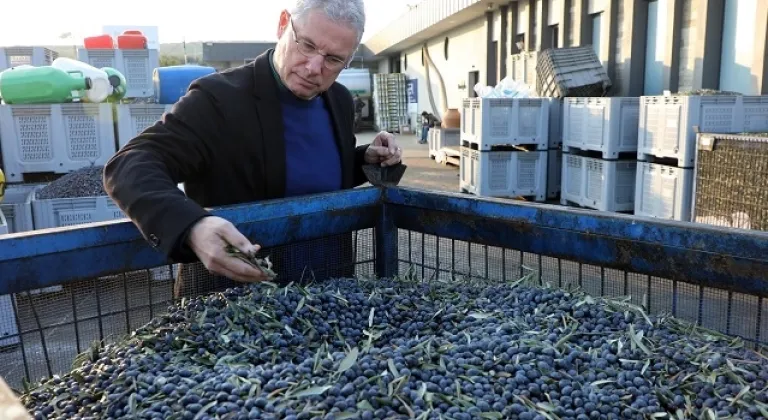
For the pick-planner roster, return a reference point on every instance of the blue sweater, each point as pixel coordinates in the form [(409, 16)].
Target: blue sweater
[(313, 165)]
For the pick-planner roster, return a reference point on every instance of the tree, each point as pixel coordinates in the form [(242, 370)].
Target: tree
[(170, 60)]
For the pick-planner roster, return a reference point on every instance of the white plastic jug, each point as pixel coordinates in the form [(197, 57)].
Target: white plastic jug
[(100, 86)]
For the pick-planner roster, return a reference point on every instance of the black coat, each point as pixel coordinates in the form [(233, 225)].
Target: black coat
[(224, 139)]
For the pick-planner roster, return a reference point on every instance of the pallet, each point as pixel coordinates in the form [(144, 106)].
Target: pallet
[(448, 155)]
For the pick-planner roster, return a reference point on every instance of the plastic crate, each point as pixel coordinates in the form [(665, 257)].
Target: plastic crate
[(555, 122), (57, 138), (136, 65), (9, 330), (17, 207), (606, 125), (132, 119), (442, 137), (3, 223), (667, 122), (663, 191), (488, 122), (504, 173), (523, 68), (554, 173), (575, 71), (730, 187), (31, 56), (60, 212), (605, 185)]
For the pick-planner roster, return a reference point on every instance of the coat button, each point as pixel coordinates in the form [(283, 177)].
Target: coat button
[(154, 240)]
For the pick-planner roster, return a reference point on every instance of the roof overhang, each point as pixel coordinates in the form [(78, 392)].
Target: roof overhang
[(427, 20)]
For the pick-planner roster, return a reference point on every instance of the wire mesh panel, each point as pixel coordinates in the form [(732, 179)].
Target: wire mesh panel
[(51, 329), (431, 257), (730, 186)]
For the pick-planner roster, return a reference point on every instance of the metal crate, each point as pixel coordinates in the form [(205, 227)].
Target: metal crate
[(605, 185), (489, 122), (711, 276), (504, 173), (30, 56), (668, 123), (58, 138), (136, 65), (731, 181), (132, 119), (663, 191), (606, 125)]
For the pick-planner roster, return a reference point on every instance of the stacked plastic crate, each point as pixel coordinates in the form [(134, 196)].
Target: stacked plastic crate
[(599, 153), (26, 56), (390, 98), (504, 147), (667, 145), (137, 65)]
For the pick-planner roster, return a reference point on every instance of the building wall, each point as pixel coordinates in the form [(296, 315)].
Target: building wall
[(713, 44), (465, 54)]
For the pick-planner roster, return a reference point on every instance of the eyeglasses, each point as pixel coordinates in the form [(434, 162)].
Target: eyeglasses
[(307, 49)]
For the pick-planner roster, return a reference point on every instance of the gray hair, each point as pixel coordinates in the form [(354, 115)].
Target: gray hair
[(350, 12)]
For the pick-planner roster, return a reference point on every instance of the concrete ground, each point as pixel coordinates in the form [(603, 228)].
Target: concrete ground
[(422, 171)]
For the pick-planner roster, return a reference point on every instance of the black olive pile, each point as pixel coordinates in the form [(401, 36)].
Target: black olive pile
[(361, 349)]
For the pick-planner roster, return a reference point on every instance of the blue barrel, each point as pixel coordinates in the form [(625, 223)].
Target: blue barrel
[(172, 82)]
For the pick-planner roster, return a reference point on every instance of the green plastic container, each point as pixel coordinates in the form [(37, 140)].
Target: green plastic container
[(119, 85), (42, 85)]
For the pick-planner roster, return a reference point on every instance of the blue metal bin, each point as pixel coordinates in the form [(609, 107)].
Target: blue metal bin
[(713, 276)]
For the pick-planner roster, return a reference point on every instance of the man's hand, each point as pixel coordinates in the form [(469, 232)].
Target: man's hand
[(209, 238), (384, 150)]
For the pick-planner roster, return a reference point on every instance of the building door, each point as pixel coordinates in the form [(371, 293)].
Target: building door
[(472, 80), (655, 42), (737, 53)]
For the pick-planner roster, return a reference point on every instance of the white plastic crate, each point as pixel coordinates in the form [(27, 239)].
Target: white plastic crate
[(605, 185), (555, 133), (136, 65), (504, 173), (488, 122), (664, 192), (8, 329), (606, 125), (523, 68), (132, 119), (17, 207), (31, 56), (570, 72), (57, 138), (60, 212), (554, 173), (666, 128), (442, 137)]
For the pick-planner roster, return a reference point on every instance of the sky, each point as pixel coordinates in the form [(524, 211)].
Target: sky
[(42, 22)]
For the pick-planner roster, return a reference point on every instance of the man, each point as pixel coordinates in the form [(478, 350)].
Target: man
[(427, 121), (277, 127)]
